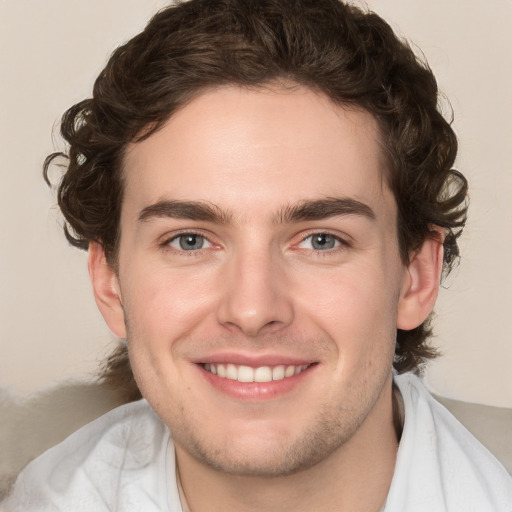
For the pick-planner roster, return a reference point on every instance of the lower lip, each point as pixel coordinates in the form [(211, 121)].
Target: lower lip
[(255, 391)]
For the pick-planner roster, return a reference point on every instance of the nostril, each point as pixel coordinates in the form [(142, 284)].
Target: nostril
[(254, 306)]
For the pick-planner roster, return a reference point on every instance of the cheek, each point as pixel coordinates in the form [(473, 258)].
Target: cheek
[(161, 304), (357, 309)]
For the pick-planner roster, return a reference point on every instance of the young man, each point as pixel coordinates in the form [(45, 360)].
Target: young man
[(266, 192)]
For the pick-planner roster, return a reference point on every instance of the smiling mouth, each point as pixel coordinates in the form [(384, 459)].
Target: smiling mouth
[(243, 373)]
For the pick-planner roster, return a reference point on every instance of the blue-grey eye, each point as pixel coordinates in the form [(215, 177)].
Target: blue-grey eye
[(189, 242), (320, 242)]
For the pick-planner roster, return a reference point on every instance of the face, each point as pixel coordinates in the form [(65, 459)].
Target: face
[(260, 278)]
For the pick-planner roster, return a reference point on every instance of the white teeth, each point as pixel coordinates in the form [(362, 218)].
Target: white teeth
[(245, 374), (263, 374), (290, 370), (248, 374), (278, 373), (231, 372)]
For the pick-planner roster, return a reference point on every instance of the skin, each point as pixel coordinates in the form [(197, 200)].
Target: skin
[(259, 292)]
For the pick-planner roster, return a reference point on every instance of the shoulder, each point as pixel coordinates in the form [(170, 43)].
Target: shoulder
[(440, 464), (86, 470)]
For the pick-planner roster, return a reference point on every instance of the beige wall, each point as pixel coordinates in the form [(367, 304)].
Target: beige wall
[(50, 53)]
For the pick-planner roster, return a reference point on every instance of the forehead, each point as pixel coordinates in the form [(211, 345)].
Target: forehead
[(253, 150)]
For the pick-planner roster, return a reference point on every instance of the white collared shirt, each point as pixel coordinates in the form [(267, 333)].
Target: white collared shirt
[(125, 462)]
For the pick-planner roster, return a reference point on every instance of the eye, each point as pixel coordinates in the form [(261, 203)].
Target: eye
[(321, 242), (189, 242)]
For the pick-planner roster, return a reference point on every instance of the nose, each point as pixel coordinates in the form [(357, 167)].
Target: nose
[(255, 297)]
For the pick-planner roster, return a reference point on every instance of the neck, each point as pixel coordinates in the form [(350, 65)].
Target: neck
[(356, 476)]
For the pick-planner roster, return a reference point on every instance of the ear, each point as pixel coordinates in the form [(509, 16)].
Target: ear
[(421, 283), (106, 289)]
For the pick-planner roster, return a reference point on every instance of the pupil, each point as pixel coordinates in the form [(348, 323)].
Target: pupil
[(188, 242), (323, 241)]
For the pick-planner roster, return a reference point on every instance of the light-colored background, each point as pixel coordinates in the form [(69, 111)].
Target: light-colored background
[(50, 53)]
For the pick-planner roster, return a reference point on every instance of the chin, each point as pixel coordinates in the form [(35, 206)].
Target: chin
[(267, 456)]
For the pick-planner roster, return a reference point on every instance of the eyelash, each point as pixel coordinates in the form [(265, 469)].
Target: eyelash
[(166, 243), (342, 243)]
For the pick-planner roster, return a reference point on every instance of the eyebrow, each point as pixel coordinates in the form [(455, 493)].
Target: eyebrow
[(323, 209), (303, 211), (193, 210)]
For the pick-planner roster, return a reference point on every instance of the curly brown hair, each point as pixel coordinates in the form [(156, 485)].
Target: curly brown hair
[(349, 55)]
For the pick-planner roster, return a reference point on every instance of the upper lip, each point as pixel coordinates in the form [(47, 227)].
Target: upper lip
[(253, 360)]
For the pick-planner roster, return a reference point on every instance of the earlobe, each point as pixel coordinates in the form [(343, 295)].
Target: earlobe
[(106, 289), (421, 283)]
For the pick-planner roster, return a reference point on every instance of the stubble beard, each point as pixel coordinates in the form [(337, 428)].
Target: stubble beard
[(333, 427), (331, 430), (312, 447)]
